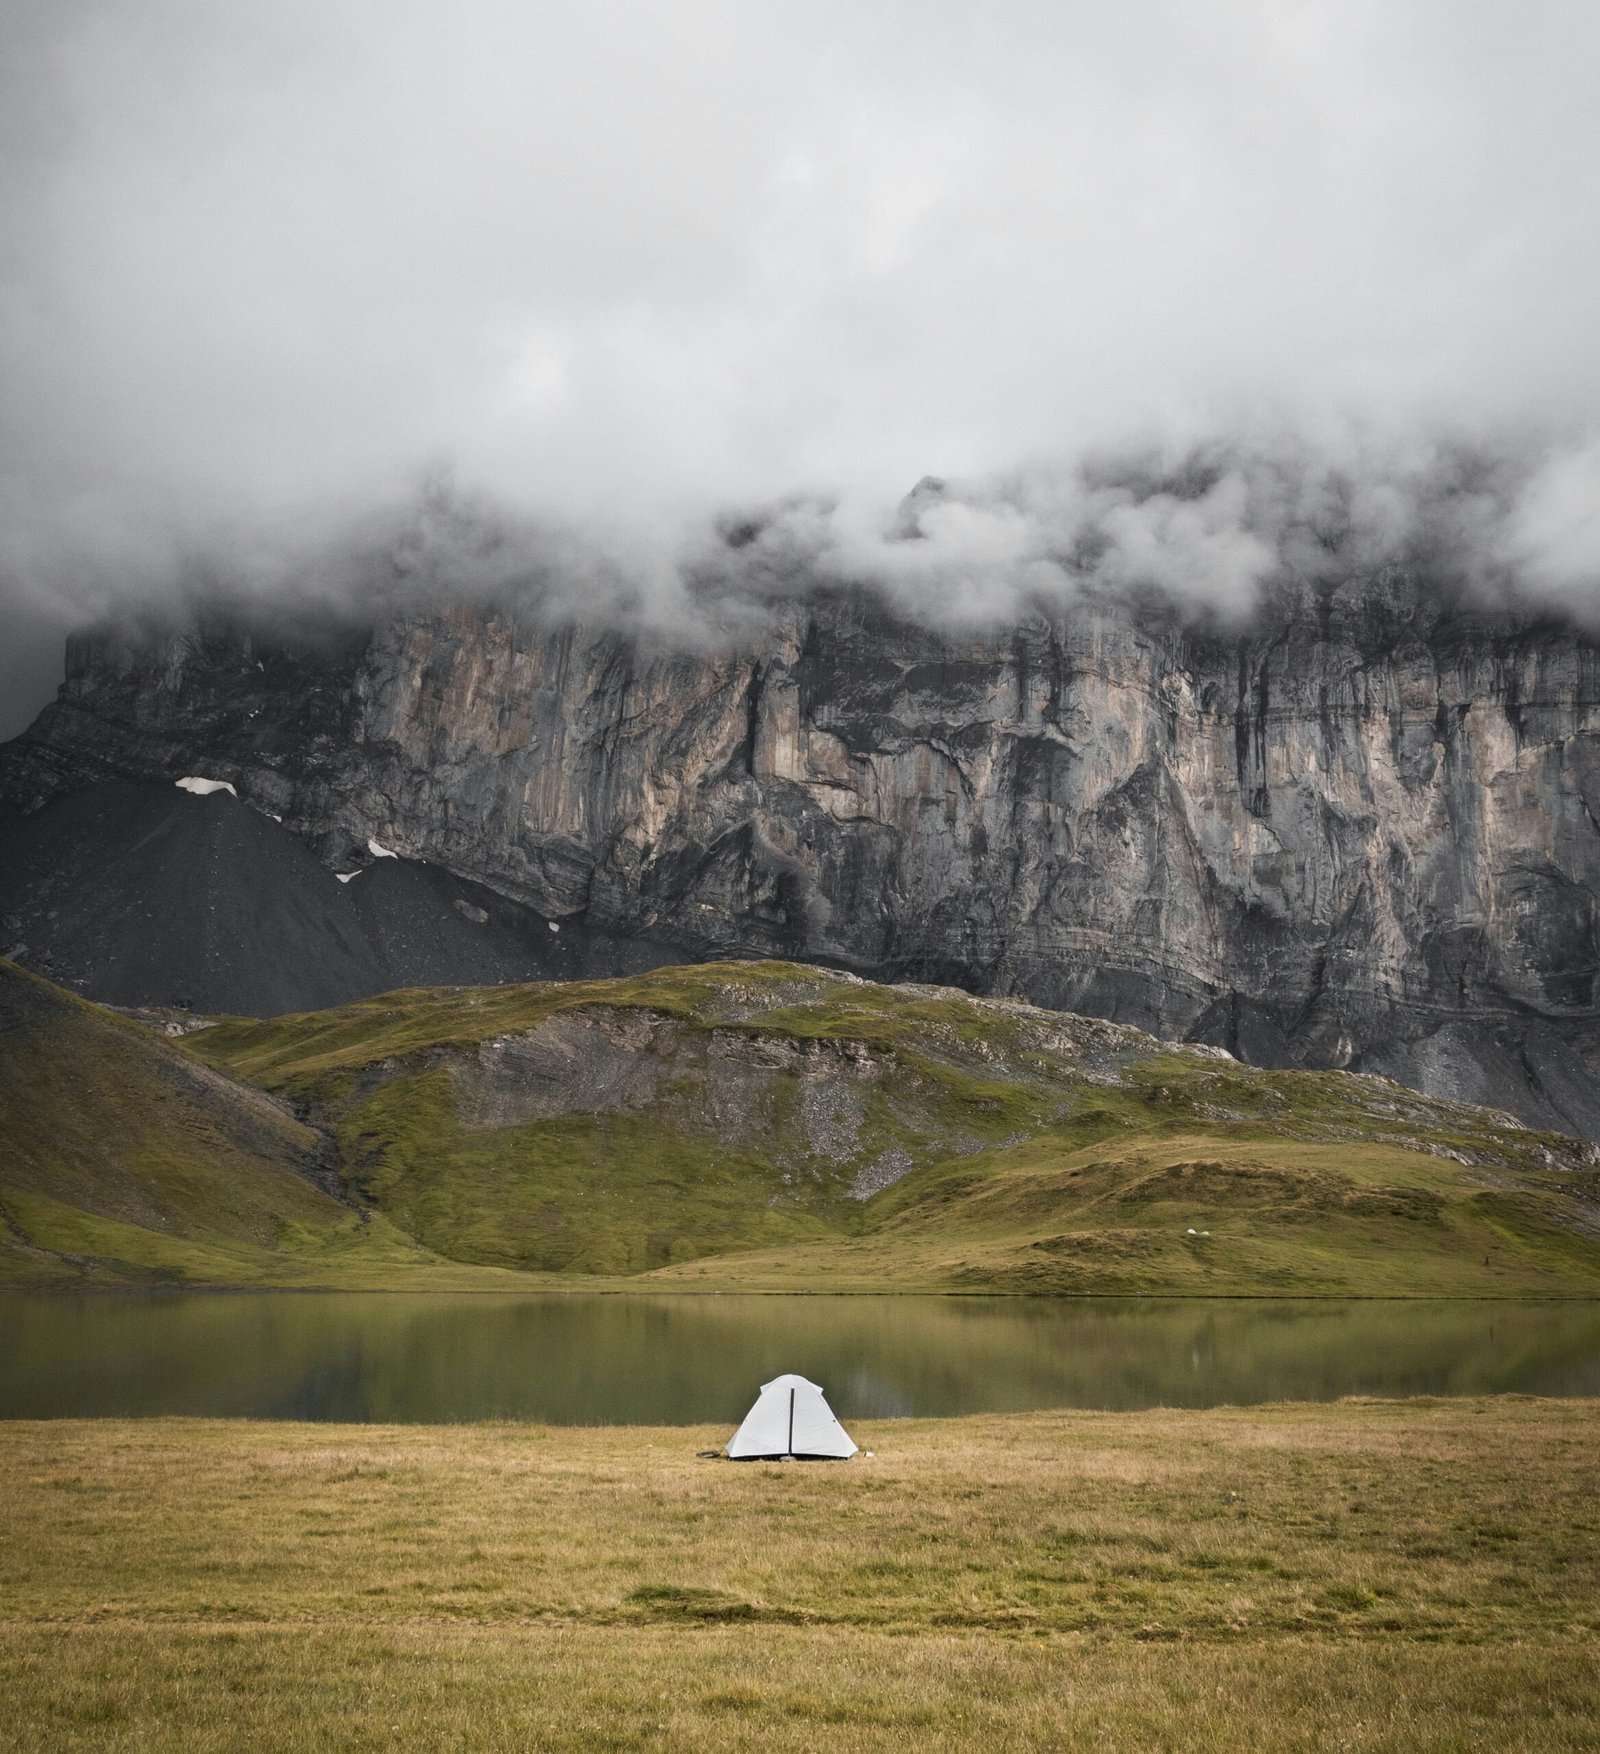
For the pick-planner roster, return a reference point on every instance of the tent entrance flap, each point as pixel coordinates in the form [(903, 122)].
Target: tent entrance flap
[(791, 1417)]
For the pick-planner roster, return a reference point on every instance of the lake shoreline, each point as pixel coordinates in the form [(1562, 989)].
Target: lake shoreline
[(331, 1430)]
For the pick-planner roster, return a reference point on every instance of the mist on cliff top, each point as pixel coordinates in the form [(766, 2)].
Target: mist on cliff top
[(1172, 294)]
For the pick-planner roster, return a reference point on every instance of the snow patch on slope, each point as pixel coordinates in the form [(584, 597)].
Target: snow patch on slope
[(203, 788)]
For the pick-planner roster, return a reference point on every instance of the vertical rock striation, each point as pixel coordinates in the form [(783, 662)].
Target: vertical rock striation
[(1360, 831)]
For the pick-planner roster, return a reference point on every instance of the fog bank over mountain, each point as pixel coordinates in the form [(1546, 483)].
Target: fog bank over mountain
[(653, 305)]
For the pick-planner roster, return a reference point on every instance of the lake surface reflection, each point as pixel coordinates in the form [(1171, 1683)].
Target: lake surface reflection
[(613, 1360)]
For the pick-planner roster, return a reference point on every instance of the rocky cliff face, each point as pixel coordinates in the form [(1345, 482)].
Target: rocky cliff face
[(1362, 831)]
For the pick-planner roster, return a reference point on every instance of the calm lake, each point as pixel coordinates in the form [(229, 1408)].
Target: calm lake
[(683, 1360)]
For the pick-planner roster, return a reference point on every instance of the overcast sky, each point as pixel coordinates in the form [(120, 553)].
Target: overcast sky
[(266, 268)]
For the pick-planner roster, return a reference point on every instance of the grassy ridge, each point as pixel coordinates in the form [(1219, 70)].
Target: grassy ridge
[(1024, 1151), (1372, 1575), (769, 1126), (125, 1157), (1283, 1216)]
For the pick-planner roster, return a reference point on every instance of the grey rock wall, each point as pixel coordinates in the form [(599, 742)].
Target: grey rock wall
[(1361, 831)]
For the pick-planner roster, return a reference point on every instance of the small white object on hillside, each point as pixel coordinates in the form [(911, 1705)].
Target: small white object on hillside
[(552, 925), (380, 852), (192, 782), (347, 876)]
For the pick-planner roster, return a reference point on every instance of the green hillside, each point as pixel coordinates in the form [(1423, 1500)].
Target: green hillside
[(124, 1158), (763, 1125)]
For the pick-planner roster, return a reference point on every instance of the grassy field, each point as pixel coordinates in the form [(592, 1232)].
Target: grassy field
[(750, 1126), (1365, 1575)]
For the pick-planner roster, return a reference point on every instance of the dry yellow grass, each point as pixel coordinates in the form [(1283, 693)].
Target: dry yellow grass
[(504, 1691), (1362, 1575)]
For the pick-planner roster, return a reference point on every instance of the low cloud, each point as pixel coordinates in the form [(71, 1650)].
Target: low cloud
[(1207, 529), (299, 300)]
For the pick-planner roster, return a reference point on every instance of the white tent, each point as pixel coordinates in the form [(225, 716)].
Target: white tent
[(790, 1418)]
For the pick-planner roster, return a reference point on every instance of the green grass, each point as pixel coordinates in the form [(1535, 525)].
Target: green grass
[(1369, 1575), (609, 1194), (125, 1159), (1284, 1217), (714, 1126)]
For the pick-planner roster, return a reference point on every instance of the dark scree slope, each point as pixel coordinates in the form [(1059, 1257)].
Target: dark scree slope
[(141, 894)]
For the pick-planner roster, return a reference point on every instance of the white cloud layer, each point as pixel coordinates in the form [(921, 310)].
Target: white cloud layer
[(617, 266)]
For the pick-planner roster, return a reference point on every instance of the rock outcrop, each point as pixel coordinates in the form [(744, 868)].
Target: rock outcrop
[(1360, 831)]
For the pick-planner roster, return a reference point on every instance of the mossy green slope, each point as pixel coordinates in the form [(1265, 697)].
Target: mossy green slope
[(769, 1125), (124, 1158), (772, 1125)]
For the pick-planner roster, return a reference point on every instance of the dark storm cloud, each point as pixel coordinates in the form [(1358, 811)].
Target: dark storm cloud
[(612, 269)]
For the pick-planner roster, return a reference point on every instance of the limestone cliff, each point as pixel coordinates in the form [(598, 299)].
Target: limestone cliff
[(1361, 830)]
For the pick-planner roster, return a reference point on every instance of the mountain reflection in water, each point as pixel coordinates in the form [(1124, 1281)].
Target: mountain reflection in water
[(640, 1359)]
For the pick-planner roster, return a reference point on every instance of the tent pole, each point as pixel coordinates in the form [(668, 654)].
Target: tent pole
[(791, 1422)]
